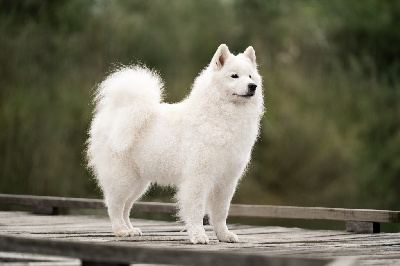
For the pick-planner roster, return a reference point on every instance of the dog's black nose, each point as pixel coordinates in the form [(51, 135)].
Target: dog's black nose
[(252, 87)]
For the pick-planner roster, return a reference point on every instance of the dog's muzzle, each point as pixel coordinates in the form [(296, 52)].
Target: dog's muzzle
[(251, 89)]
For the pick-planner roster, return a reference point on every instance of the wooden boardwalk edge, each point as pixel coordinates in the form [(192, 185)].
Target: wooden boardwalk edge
[(238, 210), (114, 254), (311, 213)]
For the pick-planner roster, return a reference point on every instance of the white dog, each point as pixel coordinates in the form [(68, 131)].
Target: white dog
[(201, 145)]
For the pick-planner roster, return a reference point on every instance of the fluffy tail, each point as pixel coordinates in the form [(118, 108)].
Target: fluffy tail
[(127, 85), (125, 101)]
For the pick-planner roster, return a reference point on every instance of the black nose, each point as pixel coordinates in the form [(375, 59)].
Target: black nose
[(252, 87)]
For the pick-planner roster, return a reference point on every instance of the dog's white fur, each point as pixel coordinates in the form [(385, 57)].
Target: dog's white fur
[(201, 145)]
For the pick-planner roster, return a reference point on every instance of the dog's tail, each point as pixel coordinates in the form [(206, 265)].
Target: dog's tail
[(125, 101), (127, 86)]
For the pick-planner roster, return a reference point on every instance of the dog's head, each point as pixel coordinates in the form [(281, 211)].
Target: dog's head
[(236, 77)]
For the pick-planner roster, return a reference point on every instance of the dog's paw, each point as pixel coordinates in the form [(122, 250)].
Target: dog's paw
[(228, 237), (122, 233), (199, 238), (135, 232), (129, 232)]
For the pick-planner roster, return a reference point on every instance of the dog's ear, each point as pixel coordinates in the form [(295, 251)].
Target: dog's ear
[(220, 57), (251, 54)]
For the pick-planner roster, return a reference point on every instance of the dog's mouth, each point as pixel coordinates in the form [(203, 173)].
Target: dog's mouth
[(248, 95)]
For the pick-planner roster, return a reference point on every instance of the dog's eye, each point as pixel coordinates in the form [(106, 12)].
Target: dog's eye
[(235, 76), (249, 76)]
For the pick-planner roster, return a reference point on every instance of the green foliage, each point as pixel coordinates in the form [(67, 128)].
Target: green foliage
[(331, 133)]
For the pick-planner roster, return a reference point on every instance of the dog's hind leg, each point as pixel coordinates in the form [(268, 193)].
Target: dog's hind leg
[(138, 190), (117, 193), (115, 200)]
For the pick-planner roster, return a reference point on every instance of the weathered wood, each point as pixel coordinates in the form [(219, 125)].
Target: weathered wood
[(338, 214), (97, 263), (158, 207), (377, 249), (121, 255), (14, 259), (363, 227), (62, 202), (263, 211)]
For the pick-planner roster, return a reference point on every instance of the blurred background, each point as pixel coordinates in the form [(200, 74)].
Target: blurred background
[(331, 132)]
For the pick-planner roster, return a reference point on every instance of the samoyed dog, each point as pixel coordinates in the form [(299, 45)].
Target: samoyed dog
[(201, 145)]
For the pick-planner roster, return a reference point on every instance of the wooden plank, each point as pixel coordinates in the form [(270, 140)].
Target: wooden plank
[(96, 263), (377, 249), (158, 207), (15, 259), (263, 211), (63, 202), (121, 254), (60, 202), (337, 214)]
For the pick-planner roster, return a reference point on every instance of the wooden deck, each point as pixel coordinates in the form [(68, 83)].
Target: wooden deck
[(166, 242)]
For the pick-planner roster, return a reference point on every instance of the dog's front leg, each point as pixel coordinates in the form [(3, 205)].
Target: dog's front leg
[(191, 197), (219, 202)]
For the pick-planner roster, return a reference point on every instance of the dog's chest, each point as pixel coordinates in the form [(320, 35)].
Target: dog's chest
[(237, 134)]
